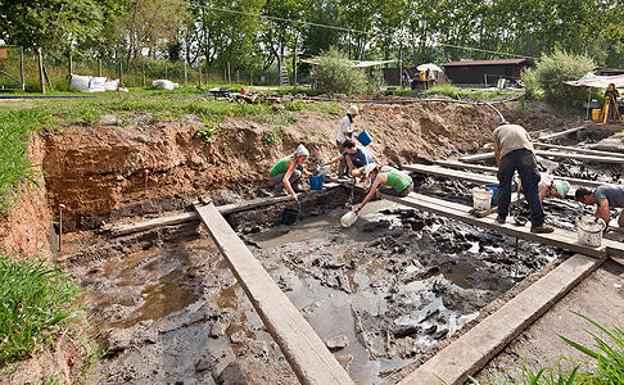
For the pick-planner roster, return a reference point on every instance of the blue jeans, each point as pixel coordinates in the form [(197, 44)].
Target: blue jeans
[(524, 162)]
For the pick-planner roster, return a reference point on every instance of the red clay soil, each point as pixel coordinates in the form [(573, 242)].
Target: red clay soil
[(99, 169)]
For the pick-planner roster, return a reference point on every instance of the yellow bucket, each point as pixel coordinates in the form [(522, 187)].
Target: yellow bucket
[(596, 114)]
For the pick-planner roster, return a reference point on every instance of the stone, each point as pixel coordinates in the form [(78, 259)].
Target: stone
[(204, 363), (109, 120), (337, 342)]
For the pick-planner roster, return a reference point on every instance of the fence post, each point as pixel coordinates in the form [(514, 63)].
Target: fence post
[(40, 68), (23, 75)]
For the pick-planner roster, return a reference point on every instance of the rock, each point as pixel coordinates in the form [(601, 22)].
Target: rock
[(345, 360), (224, 197), (337, 342), (238, 338), (109, 120), (204, 363), (406, 331)]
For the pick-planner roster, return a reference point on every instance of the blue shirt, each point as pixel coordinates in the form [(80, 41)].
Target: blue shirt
[(613, 193), (360, 158)]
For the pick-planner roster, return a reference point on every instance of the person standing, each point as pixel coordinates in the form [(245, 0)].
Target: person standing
[(611, 110), (514, 152), (345, 132)]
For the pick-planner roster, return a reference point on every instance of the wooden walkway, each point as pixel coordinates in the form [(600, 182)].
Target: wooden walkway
[(306, 353), (551, 154), (560, 238)]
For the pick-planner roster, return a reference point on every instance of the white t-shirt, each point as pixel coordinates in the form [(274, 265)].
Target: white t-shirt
[(511, 137), (345, 129), (545, 180)]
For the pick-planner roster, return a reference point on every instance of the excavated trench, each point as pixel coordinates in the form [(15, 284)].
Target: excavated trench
[(382, 294), (386, 293)]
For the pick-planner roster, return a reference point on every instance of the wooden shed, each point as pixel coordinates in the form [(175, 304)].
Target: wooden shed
[(485, 71)]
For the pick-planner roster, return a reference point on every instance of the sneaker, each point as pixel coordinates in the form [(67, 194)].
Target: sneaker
[(542, 229), (501, 219)]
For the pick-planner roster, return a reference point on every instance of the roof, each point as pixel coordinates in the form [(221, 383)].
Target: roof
[(470, 63)]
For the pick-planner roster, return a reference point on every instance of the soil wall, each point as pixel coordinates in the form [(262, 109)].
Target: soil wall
[(98, 172), (24, 231)]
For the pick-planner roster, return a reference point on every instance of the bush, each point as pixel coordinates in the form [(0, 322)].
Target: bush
[(36, 299), (335, 74), (553, 70), (532, 89)]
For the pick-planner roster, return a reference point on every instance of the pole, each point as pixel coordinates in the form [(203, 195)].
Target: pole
[(199, 70), (401, 64), (100, 67), (40, 68), (120, 72), (143, 72), (185, 71), (588, 102), (229, 72), (295, 67), (70, 63), (23, 77)]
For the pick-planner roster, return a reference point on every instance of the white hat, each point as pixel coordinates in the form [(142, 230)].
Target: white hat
[(302, 151), (369, 168), (353, 110)]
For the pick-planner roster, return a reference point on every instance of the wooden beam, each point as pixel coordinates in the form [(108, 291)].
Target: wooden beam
[(579, 150), (467, 166), (471, 352), (184, 217), (559, 238), (448, 173), (550, 154), (303, 348), (487, 179), (560, 134)]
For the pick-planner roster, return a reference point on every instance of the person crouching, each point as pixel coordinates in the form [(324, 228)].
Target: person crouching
[(387, 180), (286, 173)]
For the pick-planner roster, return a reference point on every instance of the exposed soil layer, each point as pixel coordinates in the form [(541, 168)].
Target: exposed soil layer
[(98, 171)]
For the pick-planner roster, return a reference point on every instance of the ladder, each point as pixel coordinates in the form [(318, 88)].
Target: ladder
[(284, 80)]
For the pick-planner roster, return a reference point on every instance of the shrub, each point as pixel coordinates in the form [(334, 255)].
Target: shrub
[(553, 70), (36, 299), (335, 74), (532, 89)]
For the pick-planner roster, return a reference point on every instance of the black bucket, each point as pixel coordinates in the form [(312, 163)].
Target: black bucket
[(290, 215)]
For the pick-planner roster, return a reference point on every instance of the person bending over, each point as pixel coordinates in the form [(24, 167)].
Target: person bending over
[(387, 180), (604, 197), (286, 173), (514, 152)]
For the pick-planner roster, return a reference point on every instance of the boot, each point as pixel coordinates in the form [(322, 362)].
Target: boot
[(542, 229)]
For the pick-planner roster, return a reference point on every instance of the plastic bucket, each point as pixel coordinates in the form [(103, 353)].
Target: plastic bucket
[(589, 231), (481, 199), (494, 189), (348, 219), (364, 138), (596, 114), (316, 182)]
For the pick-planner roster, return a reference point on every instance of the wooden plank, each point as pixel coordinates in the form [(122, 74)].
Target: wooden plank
[(467, 166), (550, 154), (184, 217), (473, 177), (559, 238), (448, 173), (560, 133), (579, 150), (303, 348), (466, 356)]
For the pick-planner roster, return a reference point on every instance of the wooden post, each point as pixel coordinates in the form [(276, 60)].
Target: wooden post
[(40, 68), (22, 73), (143, 72), (70, 63), (185, 71), (199, 70), (295, 66), (120, 72), (229, 72), (100, 67)]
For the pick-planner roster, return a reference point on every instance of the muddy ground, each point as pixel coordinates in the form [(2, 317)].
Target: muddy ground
[(381, 294)]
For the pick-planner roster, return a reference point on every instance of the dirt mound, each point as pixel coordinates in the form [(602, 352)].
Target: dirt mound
[(100, 169)]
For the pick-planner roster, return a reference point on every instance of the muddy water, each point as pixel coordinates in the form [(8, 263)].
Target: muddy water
[(391, 287)]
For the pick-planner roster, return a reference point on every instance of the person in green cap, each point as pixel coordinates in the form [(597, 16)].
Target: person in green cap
[(287, 172), (550, 188), (387, 180)]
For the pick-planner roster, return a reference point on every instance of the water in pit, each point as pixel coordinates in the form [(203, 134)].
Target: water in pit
[(173, 313)]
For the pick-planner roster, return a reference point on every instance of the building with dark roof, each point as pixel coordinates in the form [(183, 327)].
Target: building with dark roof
[(479, 72)]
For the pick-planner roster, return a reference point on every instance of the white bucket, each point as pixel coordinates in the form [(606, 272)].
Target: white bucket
[(589, 230), (481, 199), (348, 219)]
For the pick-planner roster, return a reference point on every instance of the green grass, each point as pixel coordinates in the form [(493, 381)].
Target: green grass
[(455, 92), (15, 128), (36, 300), (605, 365)]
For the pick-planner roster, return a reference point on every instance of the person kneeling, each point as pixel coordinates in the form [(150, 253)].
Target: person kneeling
[(355, 157), (287, 172), (386, 180)]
